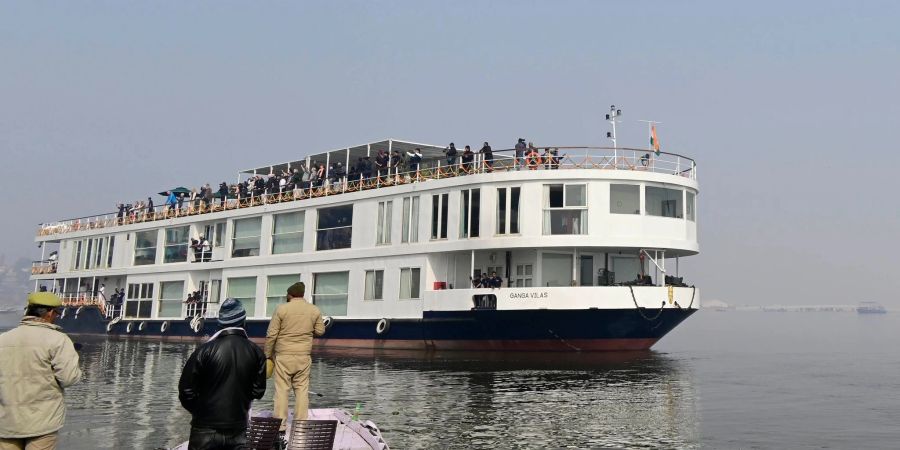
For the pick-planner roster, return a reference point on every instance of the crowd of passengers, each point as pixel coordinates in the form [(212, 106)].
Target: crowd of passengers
[(316, 175)]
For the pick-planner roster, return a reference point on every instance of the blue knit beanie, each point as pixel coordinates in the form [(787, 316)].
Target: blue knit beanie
[(231, 312)]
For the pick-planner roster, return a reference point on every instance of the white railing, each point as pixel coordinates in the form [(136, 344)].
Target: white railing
[(566, 158)]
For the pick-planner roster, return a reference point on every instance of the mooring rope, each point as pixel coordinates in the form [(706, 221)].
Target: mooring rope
[(639, 308)]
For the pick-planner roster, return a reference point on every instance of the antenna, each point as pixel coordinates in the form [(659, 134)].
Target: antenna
[(613, 117)]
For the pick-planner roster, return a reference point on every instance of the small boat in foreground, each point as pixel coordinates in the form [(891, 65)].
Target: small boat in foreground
[(349, 432)]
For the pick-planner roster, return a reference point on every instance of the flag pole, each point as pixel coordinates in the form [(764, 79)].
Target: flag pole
[(650, 124)]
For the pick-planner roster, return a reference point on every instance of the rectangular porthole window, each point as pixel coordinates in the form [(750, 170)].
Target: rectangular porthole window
[(171, 298), (287, 233), (383, 227), (439, 207), (410, 220), (276, 291), (470, 213), (176, 245), (243, 289), (565, 209), (245, 241), (690, 204), (145, 247), (374, 285), (664, 202), (624, 199), (335, 227), (410, 283), (330, 293)]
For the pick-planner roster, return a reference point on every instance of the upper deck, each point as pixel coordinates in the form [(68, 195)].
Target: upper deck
[(434, 166)]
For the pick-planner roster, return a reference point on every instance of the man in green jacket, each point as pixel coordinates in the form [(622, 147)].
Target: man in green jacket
[(38, 362), (289, 343)]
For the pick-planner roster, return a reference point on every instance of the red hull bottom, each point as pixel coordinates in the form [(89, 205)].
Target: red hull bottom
[(537, 345)]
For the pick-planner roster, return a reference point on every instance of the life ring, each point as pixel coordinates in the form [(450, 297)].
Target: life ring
[(196, 323), (328, 321), (383, 326), (533, 160), (141, 326), (164, 327), (129, 327), (78, 311)]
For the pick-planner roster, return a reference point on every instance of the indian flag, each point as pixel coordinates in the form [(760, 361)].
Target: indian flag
[(654, 141)]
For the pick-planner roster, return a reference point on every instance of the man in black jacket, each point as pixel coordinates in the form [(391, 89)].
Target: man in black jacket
[(220, 380)]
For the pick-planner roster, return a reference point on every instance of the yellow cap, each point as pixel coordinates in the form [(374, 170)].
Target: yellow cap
[(44, 299), (270, 366)]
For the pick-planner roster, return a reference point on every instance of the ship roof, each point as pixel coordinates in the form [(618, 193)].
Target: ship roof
[(351, 154)]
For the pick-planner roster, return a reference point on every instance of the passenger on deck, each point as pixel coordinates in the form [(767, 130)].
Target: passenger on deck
[(414, 160), (520, 153), (495, 282), (451, 154), (467, 158), (477, 283), (171, 200), (220, 380), (223, 193), (487, 155)]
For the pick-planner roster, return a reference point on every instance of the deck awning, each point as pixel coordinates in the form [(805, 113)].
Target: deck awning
[(352, 154)]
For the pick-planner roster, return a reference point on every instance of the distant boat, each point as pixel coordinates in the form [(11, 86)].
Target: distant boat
[(870, 308)]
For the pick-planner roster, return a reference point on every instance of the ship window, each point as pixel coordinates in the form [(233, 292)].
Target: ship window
[(410, 283), (374, 285), (335, 227), (624, 199), (244, 290), (276, 291), (439, 204), (145, 247), (140, 300), (508, 210), (689, 206), (410, 230), (565, 209), (663, 202), (219, 235), (171, 294), (470, 213), (556, 269), (246, 237), (330, 293), (287, 233), (109, 251), (76, 264), (383, 228), (87, 258), (176, 245)]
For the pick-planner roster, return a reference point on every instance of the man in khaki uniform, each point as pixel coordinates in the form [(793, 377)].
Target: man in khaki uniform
[(37, 361), (289, 343)]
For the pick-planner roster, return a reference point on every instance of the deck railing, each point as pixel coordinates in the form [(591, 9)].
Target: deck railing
[(566, 158)]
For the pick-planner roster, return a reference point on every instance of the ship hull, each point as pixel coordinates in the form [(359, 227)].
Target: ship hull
[(475, 330)]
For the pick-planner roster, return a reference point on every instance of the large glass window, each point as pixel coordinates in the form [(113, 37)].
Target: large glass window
[(439, 206), (330, 293), (246, 237), (145, 247), (276, 291), (243, 289), (565, 209), (556, 269), (410, 220), (663, 202), (109, 251), (624, 199), (374, 285), (219, 235), (76, 263), (139, 303), (287, 233), (410, 283), (335, 227), (383, 228), (470, 213), (171, 295), (177, 241), (689, 206), (508, 210)]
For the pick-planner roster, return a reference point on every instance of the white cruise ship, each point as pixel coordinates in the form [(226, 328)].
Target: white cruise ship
[(586, 245)]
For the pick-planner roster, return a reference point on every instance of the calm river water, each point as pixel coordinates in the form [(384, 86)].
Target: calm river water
[(721, 380)]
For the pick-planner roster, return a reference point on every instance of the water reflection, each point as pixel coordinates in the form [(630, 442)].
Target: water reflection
[(442, 400)]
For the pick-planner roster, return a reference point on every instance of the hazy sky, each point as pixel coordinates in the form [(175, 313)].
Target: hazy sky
[(791, 110)]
